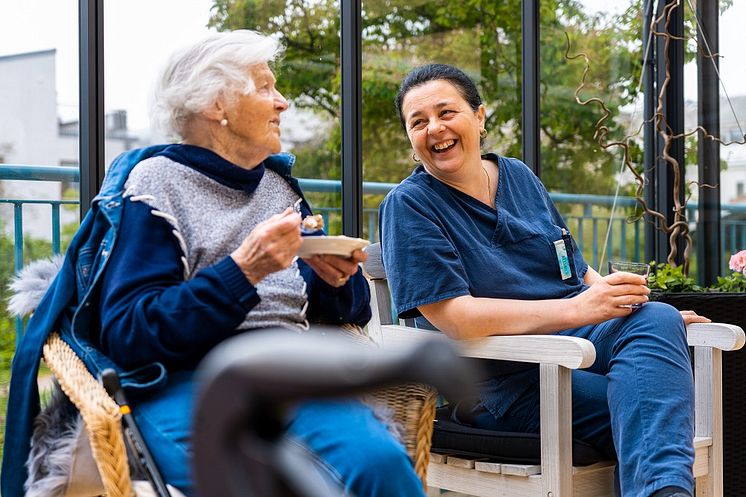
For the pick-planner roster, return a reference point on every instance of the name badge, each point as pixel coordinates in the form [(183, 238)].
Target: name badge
[(562, 259)]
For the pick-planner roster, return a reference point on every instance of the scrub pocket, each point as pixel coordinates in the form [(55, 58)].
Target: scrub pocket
[(559, 233)]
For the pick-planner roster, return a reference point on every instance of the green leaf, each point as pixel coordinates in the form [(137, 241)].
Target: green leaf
[(667, 278)]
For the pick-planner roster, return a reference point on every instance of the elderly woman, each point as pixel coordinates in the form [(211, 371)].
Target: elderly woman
[(206, 248), (473, 245)]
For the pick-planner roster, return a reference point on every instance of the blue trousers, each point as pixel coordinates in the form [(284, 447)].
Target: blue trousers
[(636, 402), (344, 437)]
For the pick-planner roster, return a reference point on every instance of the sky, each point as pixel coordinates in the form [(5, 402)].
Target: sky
[(140, 34), (138, 37)]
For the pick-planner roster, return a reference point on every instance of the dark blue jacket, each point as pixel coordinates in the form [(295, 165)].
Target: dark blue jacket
[(69, 307)]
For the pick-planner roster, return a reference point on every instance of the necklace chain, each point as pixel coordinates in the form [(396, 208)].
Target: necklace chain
[(489, 184)]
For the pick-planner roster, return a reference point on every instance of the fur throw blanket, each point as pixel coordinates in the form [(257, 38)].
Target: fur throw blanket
[(58, 428), (30, 285), (56, 432)]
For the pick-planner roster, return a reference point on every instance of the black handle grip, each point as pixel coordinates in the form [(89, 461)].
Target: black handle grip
[(110, 381)]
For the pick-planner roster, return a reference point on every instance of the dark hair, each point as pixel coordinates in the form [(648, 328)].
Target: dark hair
[(435, 72)]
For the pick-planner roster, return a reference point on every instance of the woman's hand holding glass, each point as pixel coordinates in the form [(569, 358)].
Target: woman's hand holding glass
[(336, 270), (270, 247), (630, 267), (643, 269), (612, 296)]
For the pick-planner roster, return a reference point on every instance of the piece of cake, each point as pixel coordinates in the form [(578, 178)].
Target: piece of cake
[(313, 223)]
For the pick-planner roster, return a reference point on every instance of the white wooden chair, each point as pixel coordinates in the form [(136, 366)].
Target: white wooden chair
[(557, 356)]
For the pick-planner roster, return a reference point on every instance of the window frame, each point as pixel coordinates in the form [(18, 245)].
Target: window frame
[(92, 121)]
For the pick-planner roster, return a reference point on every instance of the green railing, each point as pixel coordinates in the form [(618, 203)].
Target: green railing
[(583, 213), (586, 215)]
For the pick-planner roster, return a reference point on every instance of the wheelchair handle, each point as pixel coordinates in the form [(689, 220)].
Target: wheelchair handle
[(247, 383), (113, 387)]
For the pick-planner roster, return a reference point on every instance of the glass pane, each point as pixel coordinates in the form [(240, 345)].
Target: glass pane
[(605, 39), (131, 63), (38, 131), (730, 85), (308, 75), (399, 35)]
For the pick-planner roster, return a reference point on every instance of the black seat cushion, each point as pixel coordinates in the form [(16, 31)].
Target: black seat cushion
[(456, 439)]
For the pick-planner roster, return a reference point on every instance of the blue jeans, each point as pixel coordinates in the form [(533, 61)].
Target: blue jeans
[(347, 441), (636, 402)]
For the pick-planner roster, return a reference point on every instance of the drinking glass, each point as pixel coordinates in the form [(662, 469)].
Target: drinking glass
[(630, 267)]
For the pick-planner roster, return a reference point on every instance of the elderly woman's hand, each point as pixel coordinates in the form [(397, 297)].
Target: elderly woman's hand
[(271, 246), (336, 270)]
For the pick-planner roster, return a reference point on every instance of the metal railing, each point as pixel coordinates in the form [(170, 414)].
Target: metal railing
[(586, 215), (582, 212)]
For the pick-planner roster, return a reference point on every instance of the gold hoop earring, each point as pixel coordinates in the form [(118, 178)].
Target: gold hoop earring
[(482, 133), (415, 158), (224, 122)]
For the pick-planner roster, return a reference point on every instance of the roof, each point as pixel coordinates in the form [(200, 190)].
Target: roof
[(26, 55)]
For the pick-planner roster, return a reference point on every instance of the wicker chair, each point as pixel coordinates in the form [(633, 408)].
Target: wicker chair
[(557, 355), (413, 409)]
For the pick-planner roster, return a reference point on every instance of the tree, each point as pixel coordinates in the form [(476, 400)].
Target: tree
[(483, 37)]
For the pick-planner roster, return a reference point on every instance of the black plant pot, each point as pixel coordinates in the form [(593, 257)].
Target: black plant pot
[(725, 308)]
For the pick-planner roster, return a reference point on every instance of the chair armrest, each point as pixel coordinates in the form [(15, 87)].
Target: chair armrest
[(717, 335), (100, 414), (570, 352)]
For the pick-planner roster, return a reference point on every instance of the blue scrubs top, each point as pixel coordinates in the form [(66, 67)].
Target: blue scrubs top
[(439, 243)]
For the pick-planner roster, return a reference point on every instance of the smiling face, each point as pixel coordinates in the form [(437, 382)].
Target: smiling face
[(443, 129), (254, 118)]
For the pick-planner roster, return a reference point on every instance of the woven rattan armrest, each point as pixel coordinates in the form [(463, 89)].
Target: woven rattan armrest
[(413, 409), (99, 412)]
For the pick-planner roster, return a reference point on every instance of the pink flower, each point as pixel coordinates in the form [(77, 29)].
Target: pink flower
[(738, 262)]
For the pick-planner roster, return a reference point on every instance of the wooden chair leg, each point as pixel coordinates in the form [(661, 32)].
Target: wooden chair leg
[(708, 402), (556, 430)]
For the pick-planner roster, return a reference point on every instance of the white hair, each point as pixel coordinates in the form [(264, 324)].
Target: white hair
[(195, 77)]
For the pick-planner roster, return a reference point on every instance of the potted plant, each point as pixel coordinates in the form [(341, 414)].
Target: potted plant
[(723, 302)]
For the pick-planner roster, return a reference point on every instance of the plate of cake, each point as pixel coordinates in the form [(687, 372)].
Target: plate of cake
[(334, 245)]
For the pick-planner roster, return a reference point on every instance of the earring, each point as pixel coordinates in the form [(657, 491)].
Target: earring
[(482, 133), (415, 158), (224, 122)]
